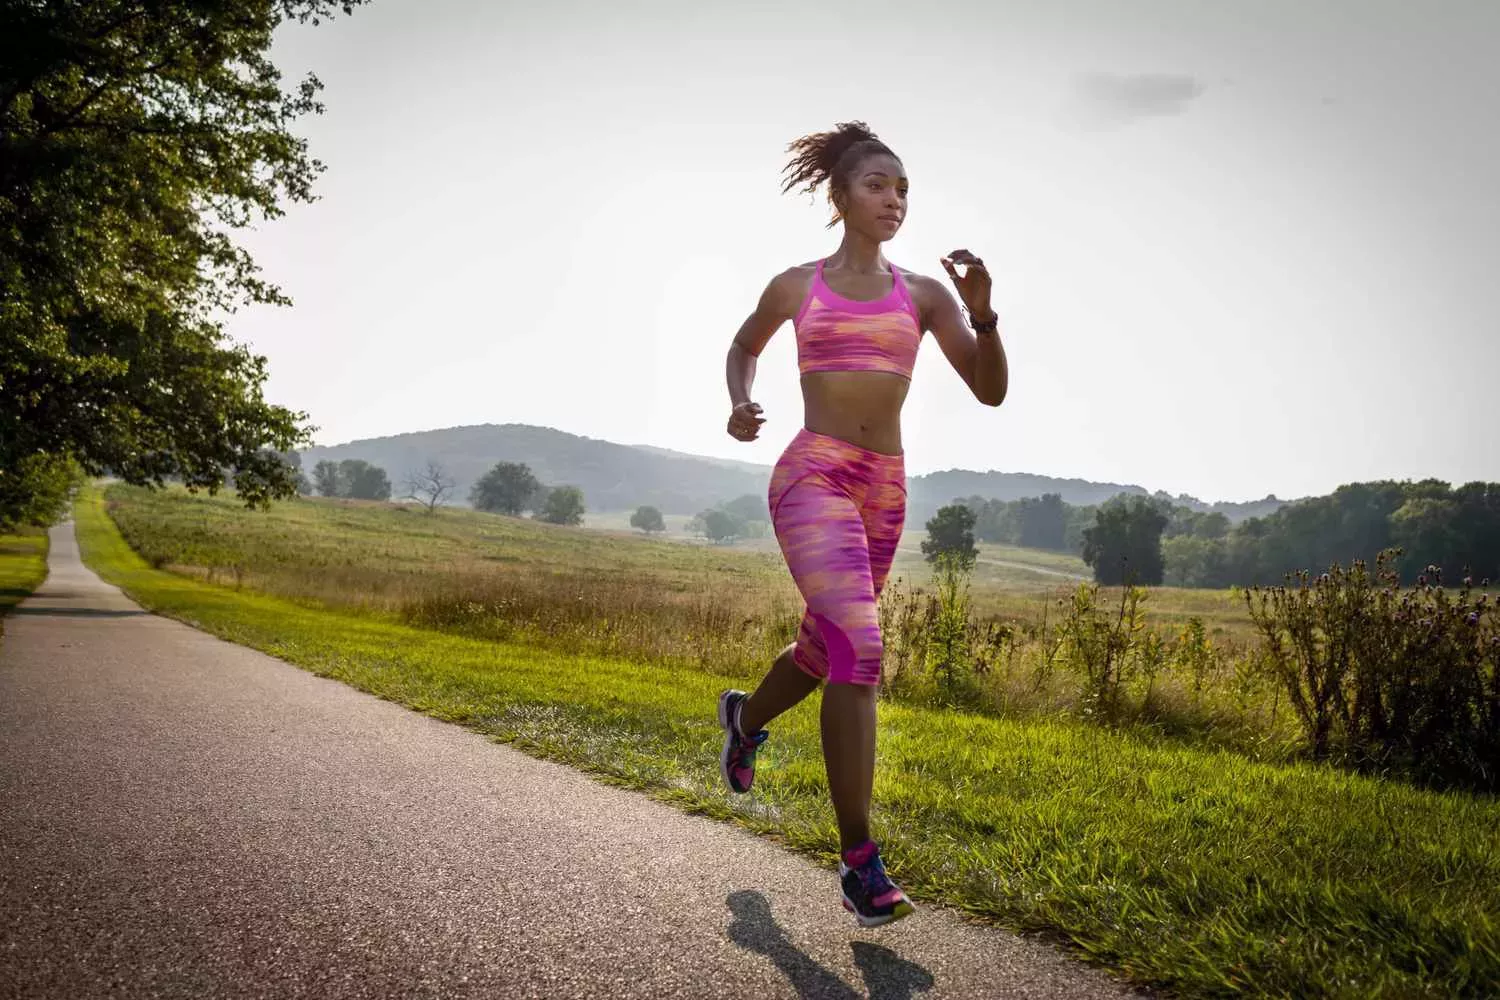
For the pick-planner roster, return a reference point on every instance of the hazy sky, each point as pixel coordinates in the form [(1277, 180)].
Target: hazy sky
[(1238, 247)]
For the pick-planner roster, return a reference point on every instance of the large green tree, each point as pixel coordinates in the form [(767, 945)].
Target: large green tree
[(750, 507), (326, 478), (720, 525), (1044, 521), (950, 534), (135, 139), (648, 519), (1124, 545), (508, 488), (564, 505), (37, 492), (359, 480)]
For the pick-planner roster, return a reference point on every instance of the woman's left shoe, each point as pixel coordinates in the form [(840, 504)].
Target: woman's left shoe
[(869, 893)]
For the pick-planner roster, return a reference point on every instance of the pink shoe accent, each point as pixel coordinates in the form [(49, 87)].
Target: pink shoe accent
[(856, 856)]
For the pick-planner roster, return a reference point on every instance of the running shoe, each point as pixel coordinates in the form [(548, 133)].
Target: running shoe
[(737, 762), (868, 892)]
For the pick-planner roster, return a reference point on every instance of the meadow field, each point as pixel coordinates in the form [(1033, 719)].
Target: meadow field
[(1186, 846), (671, 598), (1007, 581)]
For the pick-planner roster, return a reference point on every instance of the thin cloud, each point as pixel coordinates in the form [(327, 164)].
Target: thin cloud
[(1102, 100)]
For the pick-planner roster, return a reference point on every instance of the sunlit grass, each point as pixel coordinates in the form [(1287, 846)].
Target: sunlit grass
[(23, 566)]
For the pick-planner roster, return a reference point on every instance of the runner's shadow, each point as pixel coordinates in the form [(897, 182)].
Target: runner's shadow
[(887, 975)]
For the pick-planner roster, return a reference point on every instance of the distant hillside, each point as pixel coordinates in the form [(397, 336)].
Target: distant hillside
[(925, 494), (728, 463), (618, 477), (613, 477), (1236, 512)]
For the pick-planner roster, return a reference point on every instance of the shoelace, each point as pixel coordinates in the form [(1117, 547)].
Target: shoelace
[(747, 745), (872, 876)]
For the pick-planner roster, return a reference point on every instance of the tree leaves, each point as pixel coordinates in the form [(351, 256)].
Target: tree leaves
[(950, 534), (134, 139)]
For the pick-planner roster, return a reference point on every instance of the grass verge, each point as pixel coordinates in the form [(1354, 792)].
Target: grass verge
[(1200, 871), (23, 567)]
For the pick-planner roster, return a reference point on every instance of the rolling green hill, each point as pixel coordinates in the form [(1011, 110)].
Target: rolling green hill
[(619, 477)]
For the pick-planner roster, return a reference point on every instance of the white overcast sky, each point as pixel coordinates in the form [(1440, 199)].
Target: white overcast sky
[(1240, 247)]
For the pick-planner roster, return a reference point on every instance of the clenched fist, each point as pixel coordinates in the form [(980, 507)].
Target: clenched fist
[(745, 421)]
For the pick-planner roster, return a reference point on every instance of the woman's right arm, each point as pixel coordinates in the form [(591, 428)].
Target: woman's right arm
[(778, 303)]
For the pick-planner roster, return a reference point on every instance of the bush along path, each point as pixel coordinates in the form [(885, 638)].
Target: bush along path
[(23, 566)]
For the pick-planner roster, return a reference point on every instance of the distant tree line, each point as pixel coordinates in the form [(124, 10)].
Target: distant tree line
[(1044, 522), (1431, 522), (507, 488), (1152, 541), (353, 478)]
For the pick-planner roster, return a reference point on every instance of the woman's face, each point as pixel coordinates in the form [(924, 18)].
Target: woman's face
[(874, 202)]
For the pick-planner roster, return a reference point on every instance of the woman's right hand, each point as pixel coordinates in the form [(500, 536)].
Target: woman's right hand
[(745, 421)]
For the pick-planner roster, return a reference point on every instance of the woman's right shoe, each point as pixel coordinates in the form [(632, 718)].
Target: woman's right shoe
[(737, 761)]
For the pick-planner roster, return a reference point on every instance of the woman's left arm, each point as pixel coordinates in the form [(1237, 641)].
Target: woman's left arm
[(978, 357)]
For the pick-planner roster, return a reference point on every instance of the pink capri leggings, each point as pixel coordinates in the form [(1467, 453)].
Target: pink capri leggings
[(838, 510)]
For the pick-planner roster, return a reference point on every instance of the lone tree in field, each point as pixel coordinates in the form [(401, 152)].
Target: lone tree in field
[(564, 506), (750, 507), (720, 526), (135, 140), (326, 478), (648, 519), (508, 488), (431, 486), (1124, 545), (359, 480), (951, 533)]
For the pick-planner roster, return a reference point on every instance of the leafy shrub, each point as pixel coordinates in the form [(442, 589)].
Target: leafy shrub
[(1389, 677)]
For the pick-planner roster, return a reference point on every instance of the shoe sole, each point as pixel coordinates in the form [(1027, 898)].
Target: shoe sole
[(903, 909), (728, 743)]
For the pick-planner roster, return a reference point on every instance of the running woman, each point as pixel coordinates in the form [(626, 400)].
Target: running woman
[(838, 492)]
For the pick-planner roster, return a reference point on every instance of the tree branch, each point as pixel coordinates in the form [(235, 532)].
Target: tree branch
[(70, 117), (24, 86)]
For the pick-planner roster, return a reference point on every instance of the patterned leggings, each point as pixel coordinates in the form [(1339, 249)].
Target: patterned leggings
[(838, 510)]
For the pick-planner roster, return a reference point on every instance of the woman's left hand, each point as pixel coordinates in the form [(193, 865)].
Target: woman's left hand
[(974, 286)]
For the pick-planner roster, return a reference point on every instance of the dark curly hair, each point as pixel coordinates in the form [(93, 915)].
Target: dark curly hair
[(831, 157)]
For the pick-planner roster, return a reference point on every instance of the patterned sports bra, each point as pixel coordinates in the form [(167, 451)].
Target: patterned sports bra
[(835, 334)]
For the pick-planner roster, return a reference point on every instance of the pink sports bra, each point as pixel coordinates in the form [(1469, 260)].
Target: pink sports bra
[(835, 334)]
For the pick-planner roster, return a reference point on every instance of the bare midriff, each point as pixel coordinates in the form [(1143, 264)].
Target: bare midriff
[(863, 408)]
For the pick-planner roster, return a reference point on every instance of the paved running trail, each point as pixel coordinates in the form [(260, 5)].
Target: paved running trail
[(183, 817)]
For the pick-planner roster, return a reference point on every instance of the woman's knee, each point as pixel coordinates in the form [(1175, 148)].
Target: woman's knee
[(853, 654)]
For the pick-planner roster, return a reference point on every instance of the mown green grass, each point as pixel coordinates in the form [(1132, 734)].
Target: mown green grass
[(1197, 870), (23, 567)]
